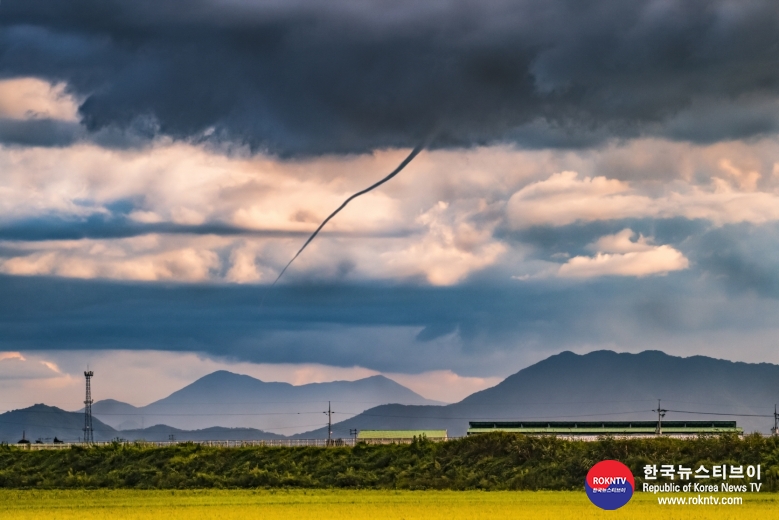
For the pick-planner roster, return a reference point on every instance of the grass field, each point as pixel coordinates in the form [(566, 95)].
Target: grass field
[(351, 505)]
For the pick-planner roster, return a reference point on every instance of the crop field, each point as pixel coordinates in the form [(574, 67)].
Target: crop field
[(350, 504)]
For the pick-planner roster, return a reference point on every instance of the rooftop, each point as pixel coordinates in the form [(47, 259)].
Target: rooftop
[(401, 434), (606, 427)]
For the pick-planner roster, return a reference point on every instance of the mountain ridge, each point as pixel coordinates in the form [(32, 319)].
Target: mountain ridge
[(224, 398), (46, 423), (599, 385), (41, 421)]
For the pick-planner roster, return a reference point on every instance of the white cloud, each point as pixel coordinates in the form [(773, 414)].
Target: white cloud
[(32, 98), (243, 266), (618, 255), (185, 184), (123, 259), (565, 198), (435, 222), (444, 385), (451, 249), (621, 243), (15, 366)]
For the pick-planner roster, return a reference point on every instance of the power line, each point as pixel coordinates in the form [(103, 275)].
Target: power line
[(252, 414), (329, 413), (660, 414), (724, 414), (513, 417), (498, 401), (113, 430), (24, 411)]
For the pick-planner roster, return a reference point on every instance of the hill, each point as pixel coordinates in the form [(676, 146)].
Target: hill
[(47, 422), (161, 432), (601, 385), (239, 401)]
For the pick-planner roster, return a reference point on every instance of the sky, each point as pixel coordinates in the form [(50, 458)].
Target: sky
[(598, 174)]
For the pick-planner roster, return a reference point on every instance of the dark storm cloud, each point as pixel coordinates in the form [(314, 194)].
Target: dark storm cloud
[(39, 132), (316, 77), (575, 238), (348, 326), (101, 226)]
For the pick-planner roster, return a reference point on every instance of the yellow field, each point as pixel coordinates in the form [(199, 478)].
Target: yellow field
[(352, 505)]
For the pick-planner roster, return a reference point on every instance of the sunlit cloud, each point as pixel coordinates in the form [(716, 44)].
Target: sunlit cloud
[(444, 385), (119, 259), (33, 98), (660, 260), (618, 255), (437, 223), (15, 366), (565, 198)]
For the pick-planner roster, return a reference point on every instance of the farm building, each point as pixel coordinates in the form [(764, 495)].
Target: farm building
[(389, 436), (598, 428)]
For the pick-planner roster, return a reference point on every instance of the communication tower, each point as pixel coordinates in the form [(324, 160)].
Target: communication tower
[(88, 436)]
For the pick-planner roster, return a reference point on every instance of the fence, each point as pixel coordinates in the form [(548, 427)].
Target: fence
[(288, 443), (318, 443)]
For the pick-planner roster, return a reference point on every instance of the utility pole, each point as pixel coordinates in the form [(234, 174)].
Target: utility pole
[(353, 432), (775, 429), (660, 415), (329, 413), (89, 438)]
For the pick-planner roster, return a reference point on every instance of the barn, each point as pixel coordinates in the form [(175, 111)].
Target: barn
[(390, 436), (594, 429)]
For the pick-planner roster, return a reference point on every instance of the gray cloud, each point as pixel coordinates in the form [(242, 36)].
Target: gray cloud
[(574, 239), (472, 329), (39, 132), (318, 77), (741, 257), (100, 226)]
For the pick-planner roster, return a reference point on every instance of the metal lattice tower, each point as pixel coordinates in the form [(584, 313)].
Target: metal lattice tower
[(88, 436)]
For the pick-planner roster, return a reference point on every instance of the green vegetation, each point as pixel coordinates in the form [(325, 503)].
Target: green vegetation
[(495, 461)]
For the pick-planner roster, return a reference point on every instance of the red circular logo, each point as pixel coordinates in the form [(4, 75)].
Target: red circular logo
[(609, 484)]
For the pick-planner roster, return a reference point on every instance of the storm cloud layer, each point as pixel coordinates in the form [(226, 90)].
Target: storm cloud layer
[(314, 77), (603, 174)]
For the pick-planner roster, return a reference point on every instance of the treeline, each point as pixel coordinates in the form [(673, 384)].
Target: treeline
[(492, 461)]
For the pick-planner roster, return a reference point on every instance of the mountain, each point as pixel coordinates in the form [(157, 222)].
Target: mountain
[(239, 401), (601, 385), (111, 409), (161, 432), (46, 422)]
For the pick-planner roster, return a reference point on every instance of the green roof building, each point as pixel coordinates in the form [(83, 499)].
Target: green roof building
[(387, 436), (598, 428)]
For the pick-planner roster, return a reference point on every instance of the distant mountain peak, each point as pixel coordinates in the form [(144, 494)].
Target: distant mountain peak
[(598, 385), (225, 375)]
